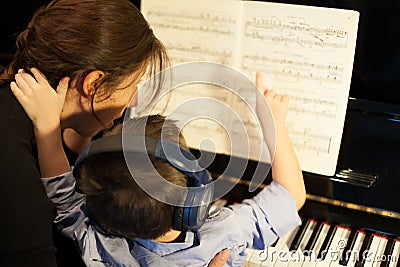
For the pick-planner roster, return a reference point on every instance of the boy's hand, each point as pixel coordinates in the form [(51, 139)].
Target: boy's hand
[(220, 259), (42, 103), (278, 103)]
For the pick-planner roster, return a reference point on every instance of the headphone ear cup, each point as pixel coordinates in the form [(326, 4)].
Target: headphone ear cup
[(177, 220)]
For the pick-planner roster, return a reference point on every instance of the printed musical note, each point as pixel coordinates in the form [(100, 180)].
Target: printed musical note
[(307, 140), (207, 22), (295, 31), (186, 53), (280, 68)]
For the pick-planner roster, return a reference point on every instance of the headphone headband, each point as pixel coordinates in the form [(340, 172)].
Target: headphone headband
[(185, 218), (159, 148), (113, 143)]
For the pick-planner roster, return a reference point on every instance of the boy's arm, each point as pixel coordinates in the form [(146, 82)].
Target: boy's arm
[(43, 105), (285, 166), (52, 158), (286, 169)]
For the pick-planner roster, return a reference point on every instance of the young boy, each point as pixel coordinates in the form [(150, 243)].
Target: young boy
[(115, 223)]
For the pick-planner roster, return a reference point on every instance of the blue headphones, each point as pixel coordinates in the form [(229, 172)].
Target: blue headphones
[(185, 218)]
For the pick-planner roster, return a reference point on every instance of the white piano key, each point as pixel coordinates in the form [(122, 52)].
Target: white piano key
[(284, 242), (268, 256), (394, 259), (379, 252), (321, 238), (311, 227), (340, 247), (372, 250), (249, 254), (253, 257), (355, 252), (332, 249), (285, 245), (299, 235), (272, 252), (299, 258), (310, 259), (349, 246), (283, 257)]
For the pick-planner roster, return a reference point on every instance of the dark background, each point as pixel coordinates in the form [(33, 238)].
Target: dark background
[(15, 15)]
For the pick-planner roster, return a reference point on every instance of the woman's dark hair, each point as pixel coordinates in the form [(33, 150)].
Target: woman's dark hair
[(73, 37), (115, 201)]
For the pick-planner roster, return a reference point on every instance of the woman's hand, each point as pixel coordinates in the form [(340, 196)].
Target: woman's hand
[(40, 101), (44, 105)]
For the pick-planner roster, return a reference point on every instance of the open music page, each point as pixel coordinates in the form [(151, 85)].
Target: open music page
[(196, 30), (207, 31), (303, 51)]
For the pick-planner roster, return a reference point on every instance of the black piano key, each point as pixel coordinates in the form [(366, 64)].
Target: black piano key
[(388, 251), (365, 246), (327, 242), (323, 235), (299, 236), (349, 246), (274, 244), (314, 236)]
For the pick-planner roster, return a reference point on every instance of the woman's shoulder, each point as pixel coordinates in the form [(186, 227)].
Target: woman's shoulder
[(13, 118), (16, 129)]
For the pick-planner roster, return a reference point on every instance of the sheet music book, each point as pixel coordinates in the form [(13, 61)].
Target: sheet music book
[(305, 52)]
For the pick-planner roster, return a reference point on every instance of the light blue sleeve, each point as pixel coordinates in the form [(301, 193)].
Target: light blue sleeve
[(95, 248), (270, 214), (68, 202)]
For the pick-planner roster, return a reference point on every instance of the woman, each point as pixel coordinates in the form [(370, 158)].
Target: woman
[(103, 47)]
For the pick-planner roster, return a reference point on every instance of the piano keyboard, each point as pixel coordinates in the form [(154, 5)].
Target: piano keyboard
[(322, 244)]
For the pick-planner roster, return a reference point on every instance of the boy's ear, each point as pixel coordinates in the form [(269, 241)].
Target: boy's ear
[(90, 82)]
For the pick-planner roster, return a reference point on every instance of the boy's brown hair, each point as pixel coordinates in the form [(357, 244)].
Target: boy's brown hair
[(115, 201)]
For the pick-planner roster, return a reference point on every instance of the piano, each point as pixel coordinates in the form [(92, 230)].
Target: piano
[(354, 214), (351, 219)]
